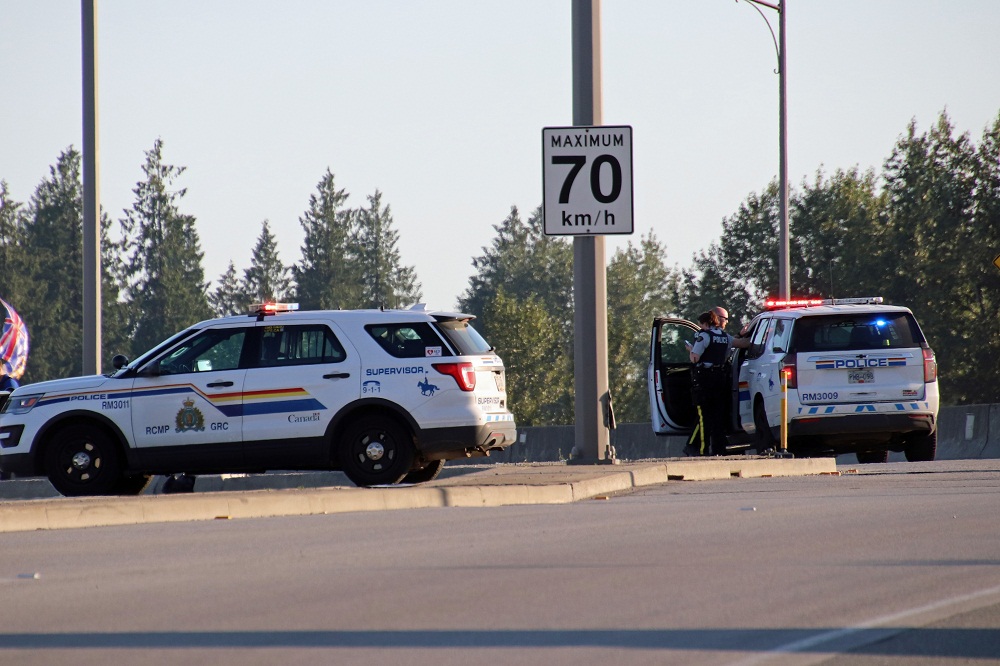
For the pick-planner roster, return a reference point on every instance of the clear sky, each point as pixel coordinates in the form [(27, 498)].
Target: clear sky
[(440, 106)]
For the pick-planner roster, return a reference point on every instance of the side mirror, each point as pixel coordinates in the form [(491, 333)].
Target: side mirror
[(119, 361)]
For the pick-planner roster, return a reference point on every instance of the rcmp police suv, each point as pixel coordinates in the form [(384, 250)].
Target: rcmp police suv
[(860, 377), (385, 396)]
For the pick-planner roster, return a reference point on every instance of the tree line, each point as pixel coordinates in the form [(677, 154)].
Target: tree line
[(153, 283), (921, 232)]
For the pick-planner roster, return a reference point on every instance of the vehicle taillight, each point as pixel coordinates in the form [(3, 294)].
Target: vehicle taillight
[(791, 376), (930, 365), (464, 374)]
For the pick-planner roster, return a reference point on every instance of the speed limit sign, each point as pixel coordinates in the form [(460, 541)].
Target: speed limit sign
[(587, 180)]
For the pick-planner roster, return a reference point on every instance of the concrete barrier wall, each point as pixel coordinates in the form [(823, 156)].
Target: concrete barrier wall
[(964, 432)]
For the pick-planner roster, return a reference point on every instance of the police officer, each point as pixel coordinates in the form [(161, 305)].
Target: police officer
[(711, 381)]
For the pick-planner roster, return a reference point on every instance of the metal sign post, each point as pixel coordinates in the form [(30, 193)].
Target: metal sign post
[(590, 186)]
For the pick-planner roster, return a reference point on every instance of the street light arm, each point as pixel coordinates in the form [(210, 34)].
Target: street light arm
[(777, 8)]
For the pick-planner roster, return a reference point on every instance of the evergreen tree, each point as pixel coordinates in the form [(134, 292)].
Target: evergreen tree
[(164, 285), (115, 331), (385, 282), (229, 297), (52, 308), (524, 262), (15, 268), (326, 278), (267, 279), (539, 373), (524, 281)]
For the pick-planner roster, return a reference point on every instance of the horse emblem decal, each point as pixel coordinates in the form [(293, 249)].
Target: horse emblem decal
[(426, 388)]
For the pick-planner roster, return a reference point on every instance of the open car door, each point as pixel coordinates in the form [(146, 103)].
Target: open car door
[(668, 376)]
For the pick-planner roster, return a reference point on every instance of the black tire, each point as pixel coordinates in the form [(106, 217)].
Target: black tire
[(922, 448), (375, 451), (765, 438), (82, 460), (866, 457), (428, 472)]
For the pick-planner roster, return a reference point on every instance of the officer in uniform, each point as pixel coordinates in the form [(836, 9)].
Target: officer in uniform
[(710, 383)]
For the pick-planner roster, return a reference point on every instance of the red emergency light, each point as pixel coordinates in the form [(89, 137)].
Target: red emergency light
[(774, 304)]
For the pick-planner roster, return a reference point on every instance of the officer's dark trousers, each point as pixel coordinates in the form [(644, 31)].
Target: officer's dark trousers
[(711, 395)]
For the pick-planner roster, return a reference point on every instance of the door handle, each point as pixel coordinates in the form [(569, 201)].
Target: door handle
[(337, 375), (219, 384)]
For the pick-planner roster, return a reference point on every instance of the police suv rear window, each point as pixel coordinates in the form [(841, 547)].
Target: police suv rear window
[(408, 340), (467, 339), (848, 332)]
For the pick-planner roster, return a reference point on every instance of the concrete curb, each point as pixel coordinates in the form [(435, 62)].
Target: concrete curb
[(502, 486)]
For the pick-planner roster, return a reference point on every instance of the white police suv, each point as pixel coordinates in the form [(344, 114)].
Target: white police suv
[(860, 378), (385, 396)]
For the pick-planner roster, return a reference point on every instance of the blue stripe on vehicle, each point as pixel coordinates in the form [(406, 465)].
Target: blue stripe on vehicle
[(281, 406)]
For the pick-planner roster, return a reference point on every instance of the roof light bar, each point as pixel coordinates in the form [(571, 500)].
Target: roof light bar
[(776, 304), (272, 308), (773, 303)]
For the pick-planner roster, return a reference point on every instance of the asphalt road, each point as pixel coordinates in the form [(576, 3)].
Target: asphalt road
[(897, 563)]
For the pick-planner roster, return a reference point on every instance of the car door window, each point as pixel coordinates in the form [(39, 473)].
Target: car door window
[(759, 335), (672, 348), (780, 336), (211, 350), (404, 340), (309, 344)]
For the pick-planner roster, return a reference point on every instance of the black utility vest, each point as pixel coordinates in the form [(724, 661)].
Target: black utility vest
[(717, 350)]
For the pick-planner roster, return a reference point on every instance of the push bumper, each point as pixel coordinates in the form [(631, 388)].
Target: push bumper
[(854, 424)]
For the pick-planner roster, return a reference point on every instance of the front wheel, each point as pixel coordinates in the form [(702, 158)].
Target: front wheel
[(922, 448), (82, 460), (375, 451)]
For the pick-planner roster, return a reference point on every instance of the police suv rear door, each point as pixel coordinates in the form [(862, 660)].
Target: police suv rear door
[(668, 376), (859, 357)]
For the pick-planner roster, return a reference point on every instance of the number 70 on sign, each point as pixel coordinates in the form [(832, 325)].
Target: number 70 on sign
[(587, 180)]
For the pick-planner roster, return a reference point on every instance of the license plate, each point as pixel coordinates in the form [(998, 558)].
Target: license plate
[(860, 376), (500, 380)]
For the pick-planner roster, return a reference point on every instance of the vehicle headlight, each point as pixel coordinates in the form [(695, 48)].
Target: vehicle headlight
[(22, 404)]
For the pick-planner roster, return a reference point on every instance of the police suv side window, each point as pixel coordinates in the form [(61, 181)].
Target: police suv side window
[(309, 344), (759, 335), (779, 339), (407, 340), (214, 349)]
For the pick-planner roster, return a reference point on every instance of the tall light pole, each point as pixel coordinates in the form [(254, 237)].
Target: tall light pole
[(784, 273), (590, 349), (91, 196)]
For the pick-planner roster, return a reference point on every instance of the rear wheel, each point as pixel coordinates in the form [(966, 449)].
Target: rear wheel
[(878, 456), (765, 438), (375, 451), (428, 472), (82, 460), (921, 448)]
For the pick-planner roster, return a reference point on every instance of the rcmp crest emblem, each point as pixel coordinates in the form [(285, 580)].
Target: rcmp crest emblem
[(189, 417)]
